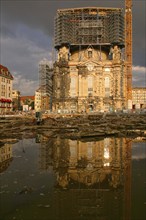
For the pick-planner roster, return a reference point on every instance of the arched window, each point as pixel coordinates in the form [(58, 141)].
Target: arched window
[(73, 86), (90, 85)]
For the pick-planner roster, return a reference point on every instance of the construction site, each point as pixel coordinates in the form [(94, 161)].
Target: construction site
[(93, 68)]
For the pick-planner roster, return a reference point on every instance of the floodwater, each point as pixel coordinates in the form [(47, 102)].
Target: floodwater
[(62, 179)]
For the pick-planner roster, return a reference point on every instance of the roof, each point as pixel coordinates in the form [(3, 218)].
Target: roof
[(22, 98), (41, 88), (5, 72)]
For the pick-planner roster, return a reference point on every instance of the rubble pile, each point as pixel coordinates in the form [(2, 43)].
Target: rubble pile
[(75, 126)]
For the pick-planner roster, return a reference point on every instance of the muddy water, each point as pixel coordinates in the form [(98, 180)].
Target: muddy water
[(62, 179)]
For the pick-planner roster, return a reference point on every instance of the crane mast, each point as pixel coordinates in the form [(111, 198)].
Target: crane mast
[(128, 65), (128, 50)]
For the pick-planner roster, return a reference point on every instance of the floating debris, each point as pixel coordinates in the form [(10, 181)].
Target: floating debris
[(44, 206), (15, 182), (47, 206), (42, 194)]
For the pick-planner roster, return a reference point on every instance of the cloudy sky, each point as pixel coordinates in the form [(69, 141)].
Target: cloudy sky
[(26, 37)]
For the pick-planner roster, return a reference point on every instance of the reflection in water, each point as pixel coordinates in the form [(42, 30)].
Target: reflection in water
[(60, 179), (5, 156), (93, 178)]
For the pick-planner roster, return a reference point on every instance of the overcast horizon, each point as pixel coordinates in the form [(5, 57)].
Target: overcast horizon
[(27, 37)]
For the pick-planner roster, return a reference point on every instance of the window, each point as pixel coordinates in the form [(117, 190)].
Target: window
[(73, 86), (89, 54), (90, 85), (106, 82), (58, 84), (107, 87), (73, 106), (89, 150)]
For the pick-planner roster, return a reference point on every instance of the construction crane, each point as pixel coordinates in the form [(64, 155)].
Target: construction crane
[(128, 64), (128, 50)]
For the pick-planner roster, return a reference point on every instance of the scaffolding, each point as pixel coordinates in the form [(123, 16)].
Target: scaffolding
[(89, 26), (45, 84)]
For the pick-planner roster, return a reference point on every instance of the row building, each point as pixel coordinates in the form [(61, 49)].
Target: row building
[(6, 80)]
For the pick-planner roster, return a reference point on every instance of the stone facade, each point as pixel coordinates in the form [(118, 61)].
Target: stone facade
[(16, 99), (89, 73), (139, 97), (37, 103), (89, 79)]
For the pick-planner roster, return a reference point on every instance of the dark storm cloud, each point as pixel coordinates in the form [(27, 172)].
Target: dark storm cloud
[(40, 14), (27, 32), (32, 13), (23, 54), (7, 32), (139, 76), (139, 33)]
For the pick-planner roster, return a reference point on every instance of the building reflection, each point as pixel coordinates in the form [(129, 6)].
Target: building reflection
[(45, 151), (5, 156), (93, 179)]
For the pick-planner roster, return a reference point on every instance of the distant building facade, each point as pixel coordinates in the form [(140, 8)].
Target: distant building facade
[(16, 99), (37, 102), (6, 80), (89, 73), (139, 97), (27, 103)]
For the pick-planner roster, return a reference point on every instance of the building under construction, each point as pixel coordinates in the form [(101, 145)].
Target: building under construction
[(90, 70), (45, 85), (89, 26)]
